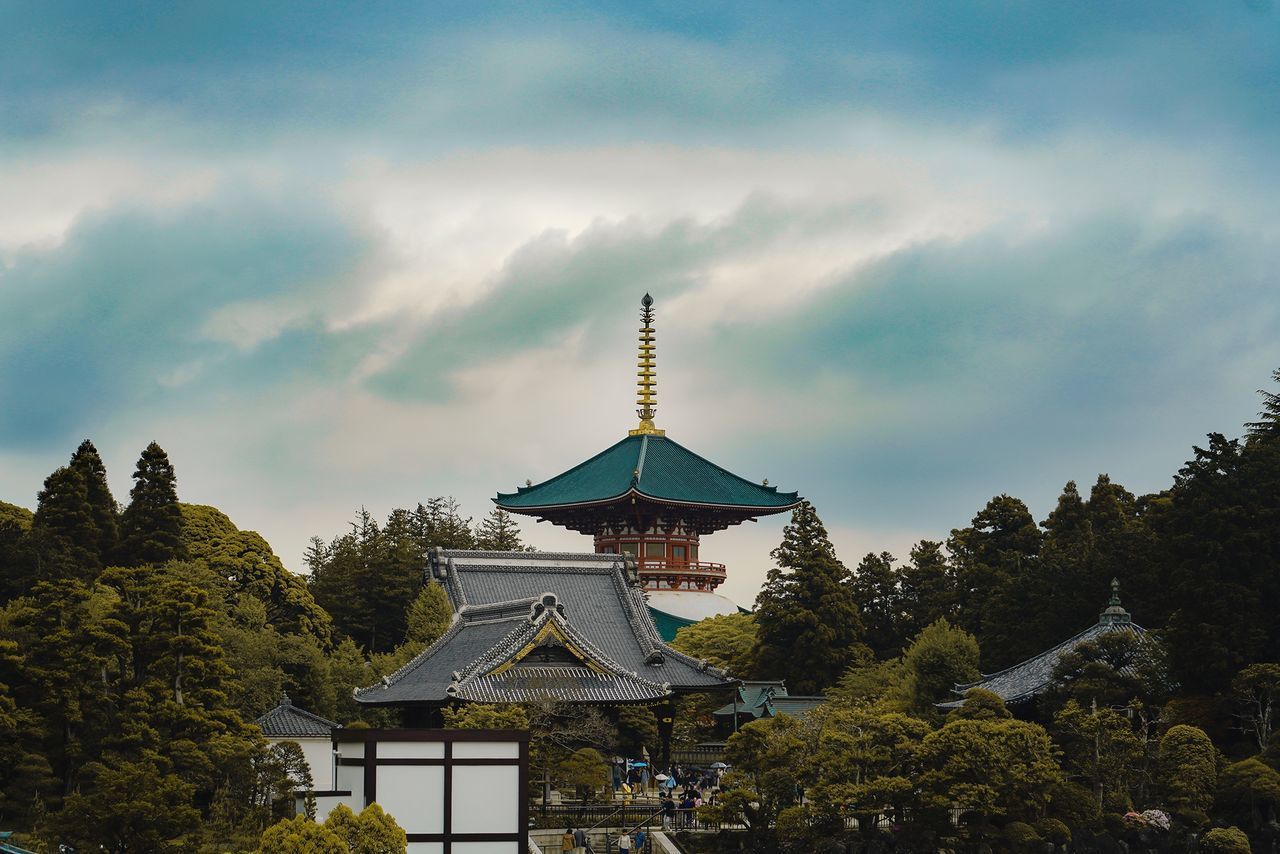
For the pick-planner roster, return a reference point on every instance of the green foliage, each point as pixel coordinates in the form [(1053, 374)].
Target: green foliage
[(292, 762), (638, 727), (429, 615), (584, 769), (371, 832), (872, 682), (65, 526), (1113, 669), (865, 761), (247, 565), (989, 557), (941, 657), (1267, 427), (1256, 691), (994, 769), (1220, 532), (151, 526), (485, 716), (367, 579), (769, 760), (1188, 773), (806, 613), (981, 705), (21, 517), (102, 505), (876, 590), (300, 835), (726, 641), (927, 588), (498, 532), (1249, 790), (129, 806), (1101, 748), (1226, 840), (20, 563)]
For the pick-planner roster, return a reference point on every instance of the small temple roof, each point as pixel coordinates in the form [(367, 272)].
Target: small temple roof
[(1029, 679), (768, 699), (654, 467), (532, 626), (288, 721), (752, 695)]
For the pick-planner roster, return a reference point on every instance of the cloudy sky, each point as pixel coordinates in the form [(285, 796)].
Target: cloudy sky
[(904, 259)]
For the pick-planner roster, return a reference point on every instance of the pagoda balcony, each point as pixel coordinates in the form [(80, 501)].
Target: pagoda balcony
[(662, 574)]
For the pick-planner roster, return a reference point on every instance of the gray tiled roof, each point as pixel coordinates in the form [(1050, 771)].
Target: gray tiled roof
[(288, 721), (503, 600), (1030, 678)]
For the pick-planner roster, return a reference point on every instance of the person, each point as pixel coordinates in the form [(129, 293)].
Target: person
[(640, 840), (566, 841), (579, 841), (668, 811), (624, 842), (626, 793), (686, 809)]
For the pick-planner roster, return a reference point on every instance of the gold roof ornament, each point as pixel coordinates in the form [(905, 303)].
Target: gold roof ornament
[(647, 384)]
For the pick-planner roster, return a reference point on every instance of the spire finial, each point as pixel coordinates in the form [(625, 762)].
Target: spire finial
[(647, 384), (1114, 613)]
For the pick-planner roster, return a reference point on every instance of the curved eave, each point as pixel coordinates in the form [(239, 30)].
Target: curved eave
[(748, 509)]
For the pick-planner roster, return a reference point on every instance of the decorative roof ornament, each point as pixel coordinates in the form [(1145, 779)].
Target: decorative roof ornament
[(647, 384), (1114, 613)]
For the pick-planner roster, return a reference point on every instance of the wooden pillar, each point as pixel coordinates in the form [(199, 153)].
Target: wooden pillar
[(666, 715)]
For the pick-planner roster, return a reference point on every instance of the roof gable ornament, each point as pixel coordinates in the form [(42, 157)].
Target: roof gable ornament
[(647, 383)]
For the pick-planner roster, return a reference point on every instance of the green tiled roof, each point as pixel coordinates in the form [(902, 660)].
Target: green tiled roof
[(652, 466)]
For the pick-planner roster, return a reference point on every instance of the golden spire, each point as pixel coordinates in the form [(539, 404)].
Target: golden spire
[(646, 385)]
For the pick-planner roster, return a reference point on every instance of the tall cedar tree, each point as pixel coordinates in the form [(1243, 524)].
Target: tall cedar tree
[(66, 538), (877, 592), (993, 559), (1220, 534), (151, 527), (927, 587), (809, 625), (102, 505)]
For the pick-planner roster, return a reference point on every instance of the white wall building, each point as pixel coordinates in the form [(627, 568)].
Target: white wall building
[(314, 734)]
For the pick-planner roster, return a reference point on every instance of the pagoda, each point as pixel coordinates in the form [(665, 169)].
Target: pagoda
[(650, 498)]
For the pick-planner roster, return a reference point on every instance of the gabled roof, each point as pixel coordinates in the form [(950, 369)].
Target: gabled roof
[(752, 697), (1028, 679), (653, 467), (288, 721), (537, 626)]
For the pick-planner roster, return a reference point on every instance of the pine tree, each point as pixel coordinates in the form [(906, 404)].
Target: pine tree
[(151, 527), (498, 532), (440, 523), (1268, 424), (808, 619), (102, 505)]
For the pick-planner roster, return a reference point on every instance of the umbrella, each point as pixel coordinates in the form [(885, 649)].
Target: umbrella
[(661, 777), (719, 766)]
